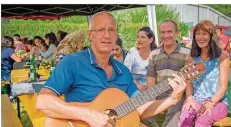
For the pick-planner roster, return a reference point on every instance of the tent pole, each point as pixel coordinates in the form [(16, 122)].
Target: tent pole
[(88, 19), (152, 20)]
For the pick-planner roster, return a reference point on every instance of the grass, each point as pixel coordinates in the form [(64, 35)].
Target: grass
[(26, 122)]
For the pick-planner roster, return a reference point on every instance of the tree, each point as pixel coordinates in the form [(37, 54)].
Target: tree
[(223, 8)]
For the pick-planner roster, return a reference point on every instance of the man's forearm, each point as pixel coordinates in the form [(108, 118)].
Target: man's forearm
[(54, 107), (151, 81), (189, 91), (155, 107)]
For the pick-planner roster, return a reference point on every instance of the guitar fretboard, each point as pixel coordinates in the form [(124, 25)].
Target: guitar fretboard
[(188, 72), (142, 98)]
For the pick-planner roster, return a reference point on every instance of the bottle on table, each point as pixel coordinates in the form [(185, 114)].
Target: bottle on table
[(52, 67), (33, 69)]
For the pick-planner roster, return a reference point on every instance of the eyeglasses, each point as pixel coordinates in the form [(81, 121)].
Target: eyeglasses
[(103, 30)]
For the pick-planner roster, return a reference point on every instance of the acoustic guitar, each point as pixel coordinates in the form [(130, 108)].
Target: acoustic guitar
[(119, 107)]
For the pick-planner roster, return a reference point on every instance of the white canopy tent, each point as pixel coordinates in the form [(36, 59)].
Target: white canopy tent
[(152, 20)]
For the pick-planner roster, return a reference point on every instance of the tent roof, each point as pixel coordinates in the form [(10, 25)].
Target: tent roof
[(50, 11)]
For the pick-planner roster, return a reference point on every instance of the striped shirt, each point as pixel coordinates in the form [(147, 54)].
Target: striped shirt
[(162, 65)]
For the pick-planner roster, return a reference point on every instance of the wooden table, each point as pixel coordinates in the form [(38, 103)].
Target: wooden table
[(19, 75), (29, 101)]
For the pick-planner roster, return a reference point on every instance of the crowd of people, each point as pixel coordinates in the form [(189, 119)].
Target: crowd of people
[(82, 73), (51, 47)]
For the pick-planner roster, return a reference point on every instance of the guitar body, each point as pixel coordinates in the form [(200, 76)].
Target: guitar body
[(108, 99)]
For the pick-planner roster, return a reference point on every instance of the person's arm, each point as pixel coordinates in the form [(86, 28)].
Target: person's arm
[(50, 51), (224, 77), (227, 47), (12, 55), (189, 103), (222, 44), (189, 91), (52, 106), (59, 83), (139, 86), (129, 60), (151, 81), (15, 58), (157, 106), (49, 103), (151, 71)]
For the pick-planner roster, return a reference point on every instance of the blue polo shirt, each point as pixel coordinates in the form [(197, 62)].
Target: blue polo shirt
[(80, 79)]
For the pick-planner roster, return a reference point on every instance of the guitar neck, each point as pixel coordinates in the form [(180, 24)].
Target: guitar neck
[(142, 98)]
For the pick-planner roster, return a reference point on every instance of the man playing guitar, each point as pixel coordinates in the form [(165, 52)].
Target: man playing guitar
[(81, 76)]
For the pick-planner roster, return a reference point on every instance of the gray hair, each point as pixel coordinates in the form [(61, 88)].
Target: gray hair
[(97, 14)]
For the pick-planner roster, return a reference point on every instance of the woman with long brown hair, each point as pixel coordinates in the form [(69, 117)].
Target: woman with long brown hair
[(206, 98)]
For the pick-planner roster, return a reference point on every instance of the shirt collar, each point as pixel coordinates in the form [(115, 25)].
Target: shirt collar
[(176, 50), (92, 56), (112, 60)]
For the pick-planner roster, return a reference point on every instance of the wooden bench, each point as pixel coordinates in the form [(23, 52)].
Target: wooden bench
[(225, 122), (9, 117)]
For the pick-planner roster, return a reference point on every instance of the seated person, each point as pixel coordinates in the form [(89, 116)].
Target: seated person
[(47, 52), (8, 57), (137, 58), (118, 52), (18, 44), (36, 45), (82, 75), (28, 45), (207, 100), (71, 43)]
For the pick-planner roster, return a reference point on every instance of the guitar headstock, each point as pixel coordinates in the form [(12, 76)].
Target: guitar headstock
[(192, 71)]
